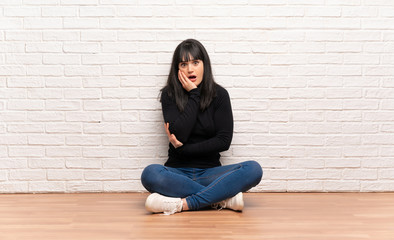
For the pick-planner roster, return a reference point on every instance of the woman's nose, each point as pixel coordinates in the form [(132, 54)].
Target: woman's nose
[(189, 68)]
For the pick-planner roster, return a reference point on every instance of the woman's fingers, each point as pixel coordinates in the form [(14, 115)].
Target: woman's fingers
[(167, 128), (171, 137), (186, 83)]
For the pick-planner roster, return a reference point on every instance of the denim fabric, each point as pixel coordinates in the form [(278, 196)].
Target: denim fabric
[(202, 187)]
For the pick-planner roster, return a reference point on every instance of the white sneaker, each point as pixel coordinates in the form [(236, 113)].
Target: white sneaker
[(157, 203), (235, 203)]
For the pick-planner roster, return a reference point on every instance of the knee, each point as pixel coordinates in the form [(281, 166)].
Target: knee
[(255, 170), (149, 175)]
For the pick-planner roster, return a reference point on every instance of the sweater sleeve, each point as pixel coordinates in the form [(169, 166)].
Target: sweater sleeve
[(223, 119), (181, 123)]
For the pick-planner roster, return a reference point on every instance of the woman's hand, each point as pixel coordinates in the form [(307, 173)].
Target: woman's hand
[(186, 83), (171, 137)]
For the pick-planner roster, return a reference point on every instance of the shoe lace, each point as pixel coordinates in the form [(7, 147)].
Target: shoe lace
[(170, 207), (219, 205)]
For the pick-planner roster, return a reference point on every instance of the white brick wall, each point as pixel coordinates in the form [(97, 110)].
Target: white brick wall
[(311, 84)]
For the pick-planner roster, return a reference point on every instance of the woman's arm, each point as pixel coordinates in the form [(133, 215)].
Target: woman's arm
[(223, 118), (181, 123)]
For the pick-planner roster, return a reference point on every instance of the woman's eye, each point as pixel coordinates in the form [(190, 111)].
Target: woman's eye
[(183, 65), (196, 62)]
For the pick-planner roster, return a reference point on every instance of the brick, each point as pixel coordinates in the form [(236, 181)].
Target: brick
[(97, 11), (72, 82), (101, 128), (64, 175), (270, 140), (80, 23), (288, 174), (121, 93), (326, 36), (101, 175), (59, 12), (342, 186), (84, 163), (23, 35), (120, 116), (286, 152), (121, 141), (54, 59), (101, 82), (83, 116), (343, 140), (63, 35), (13, 140), (307, 164), (63, 128), (59, 105), (45, 140), (376, 186), (325, 59), (287, 128), (42, 163), (81, 47), (360, 151), (83, 140), (74, 186), (12, 117), (359, 12), (324, 174), (63, 152), (246, 127), (305, 141), (121, 70), (123, 186), (324, 152), (14, 187), (341, 163), (121, 163), (11, 24), (101, 105), (131, 174), (146, 127), (12, 93), (27, 58), (344, 116), (387, 128), (323, 12), (350, 174), (31, 105), (286, 105), (45, 70), (140, 105), (45, 93), (26, 151), (270, 117), (43, 23), (99, 59), (46, 187), (306, 116), (25, 128), (12, 71), (82, 94)]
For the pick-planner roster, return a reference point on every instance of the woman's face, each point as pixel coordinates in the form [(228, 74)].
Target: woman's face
[(193, 69)]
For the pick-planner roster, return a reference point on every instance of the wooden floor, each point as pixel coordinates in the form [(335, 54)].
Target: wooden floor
[(281, 216)]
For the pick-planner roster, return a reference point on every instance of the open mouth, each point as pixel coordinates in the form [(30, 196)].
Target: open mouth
[(192, 78)]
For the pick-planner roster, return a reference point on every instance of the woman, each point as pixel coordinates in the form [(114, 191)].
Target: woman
[(199, 124)]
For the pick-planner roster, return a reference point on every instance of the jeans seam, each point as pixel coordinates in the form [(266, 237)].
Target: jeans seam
[(223, 176), (218, 175)]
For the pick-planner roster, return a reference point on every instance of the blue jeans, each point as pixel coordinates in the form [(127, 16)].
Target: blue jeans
[(202, 187)]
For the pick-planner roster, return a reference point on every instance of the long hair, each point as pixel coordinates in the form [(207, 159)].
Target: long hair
[(187, 50)]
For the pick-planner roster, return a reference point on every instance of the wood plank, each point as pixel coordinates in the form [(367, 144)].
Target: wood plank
[(306, 216)]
